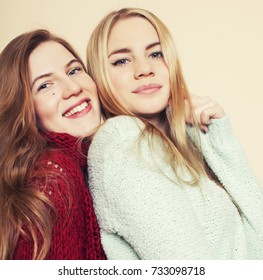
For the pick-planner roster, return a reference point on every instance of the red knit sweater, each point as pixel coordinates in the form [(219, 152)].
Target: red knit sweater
[(75, 234)]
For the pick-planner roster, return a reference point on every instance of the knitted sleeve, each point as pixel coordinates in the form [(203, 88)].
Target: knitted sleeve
[(225, 156), (62, 190), (141, 212)]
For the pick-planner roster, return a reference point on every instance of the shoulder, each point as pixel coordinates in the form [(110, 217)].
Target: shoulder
[(116, 130), (121, 123), (113, 145), (51, 159), (57, 166), (58, 176)]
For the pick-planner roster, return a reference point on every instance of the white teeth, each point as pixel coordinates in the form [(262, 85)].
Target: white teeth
[(77, 109)]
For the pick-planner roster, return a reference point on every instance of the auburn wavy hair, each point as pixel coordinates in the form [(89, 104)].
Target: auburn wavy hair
[(181, 153), (24, 209)]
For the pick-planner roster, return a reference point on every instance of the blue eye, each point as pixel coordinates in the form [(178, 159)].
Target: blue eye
[(156, 55), (74, 71), (120, 62)]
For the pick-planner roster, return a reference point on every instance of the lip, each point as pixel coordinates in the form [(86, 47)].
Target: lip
[(77, 104), (147, 89)]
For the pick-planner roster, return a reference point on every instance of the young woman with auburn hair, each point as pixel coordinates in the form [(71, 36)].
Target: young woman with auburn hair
[(48, 109)]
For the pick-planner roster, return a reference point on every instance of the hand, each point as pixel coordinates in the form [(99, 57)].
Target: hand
[(205, 109)]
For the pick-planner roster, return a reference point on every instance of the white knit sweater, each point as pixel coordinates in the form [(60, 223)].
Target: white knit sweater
[(144, 213)]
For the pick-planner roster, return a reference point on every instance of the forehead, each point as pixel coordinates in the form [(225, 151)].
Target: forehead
[(131, 31), (47, 57)]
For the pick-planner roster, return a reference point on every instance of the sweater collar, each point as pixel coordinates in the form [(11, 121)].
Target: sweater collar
[(70, 145)]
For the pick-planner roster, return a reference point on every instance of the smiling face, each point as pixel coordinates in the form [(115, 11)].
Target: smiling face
[(137, 69), (65, 97)]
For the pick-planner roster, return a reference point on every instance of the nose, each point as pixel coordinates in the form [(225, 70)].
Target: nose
[(143, 68), (70, 87)]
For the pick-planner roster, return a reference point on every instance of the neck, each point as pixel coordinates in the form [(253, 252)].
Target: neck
[(159, 121)]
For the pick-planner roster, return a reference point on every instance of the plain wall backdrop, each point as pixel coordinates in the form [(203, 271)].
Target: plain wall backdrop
[(220, 46)]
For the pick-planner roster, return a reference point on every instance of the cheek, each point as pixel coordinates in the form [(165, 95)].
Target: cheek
[(89, 85), (94, 92), (165, 73), (45, 109), (120, 81)]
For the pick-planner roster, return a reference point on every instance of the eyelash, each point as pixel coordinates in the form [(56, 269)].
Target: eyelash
[(73, 71), (120, 62), (78, 68), (123, 61), (157, 54), (43, 86)]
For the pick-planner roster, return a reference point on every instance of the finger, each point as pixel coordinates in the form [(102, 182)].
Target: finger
[(201, 108), (204, 128), (202, 112), (205, 117), (212, 112), (209, 110)]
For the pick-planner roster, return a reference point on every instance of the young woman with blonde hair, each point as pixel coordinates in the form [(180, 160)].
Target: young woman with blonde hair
[(48, 103), (163, 188)]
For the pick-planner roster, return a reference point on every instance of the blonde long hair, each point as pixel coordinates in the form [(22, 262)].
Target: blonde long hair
[(180, 150), (24, 209)]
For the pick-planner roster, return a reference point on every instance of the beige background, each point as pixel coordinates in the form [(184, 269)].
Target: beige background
[(220, 43)]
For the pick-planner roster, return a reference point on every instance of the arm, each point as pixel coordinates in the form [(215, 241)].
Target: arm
[(224, 155), (138, 203)]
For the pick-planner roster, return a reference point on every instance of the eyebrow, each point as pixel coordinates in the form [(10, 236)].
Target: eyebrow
[(40, 77), (127, 50), (50, 74)]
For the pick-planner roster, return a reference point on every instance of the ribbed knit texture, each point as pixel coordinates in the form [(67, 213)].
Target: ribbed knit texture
[(75, 233), (145, 213)]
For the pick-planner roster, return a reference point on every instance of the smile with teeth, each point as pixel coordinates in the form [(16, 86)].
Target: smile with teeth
[(77, 109)]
